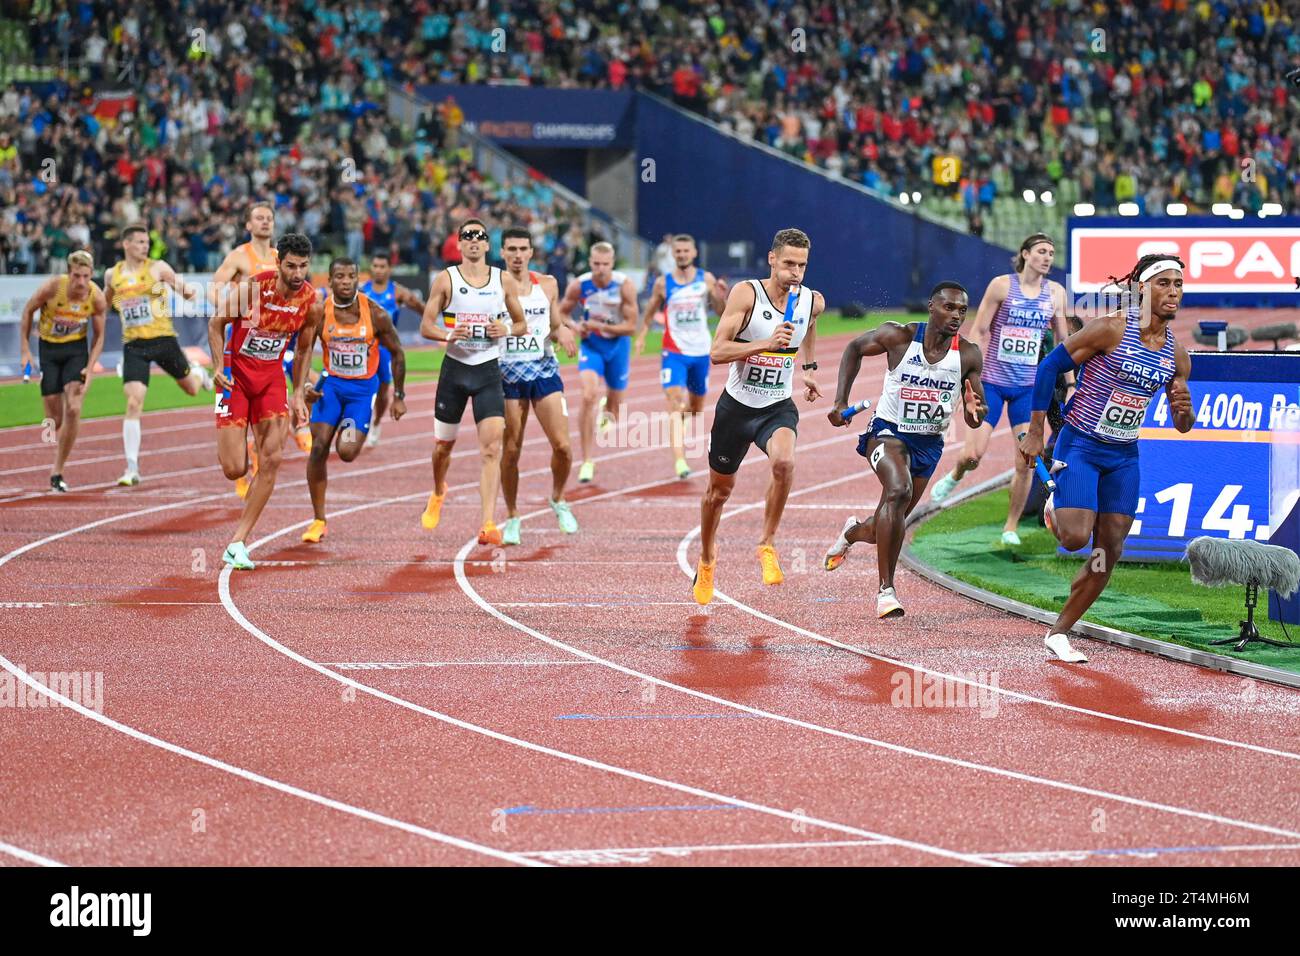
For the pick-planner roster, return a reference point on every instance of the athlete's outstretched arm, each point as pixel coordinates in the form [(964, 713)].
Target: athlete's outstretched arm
[(808, 350), (518, 324), (717, 292), (1099, 335), (572, 295), (164, 273), (408, 297), (386, 333), (994, 296), (98, 320), (1180, 396), (1060, 323), (217, 348), (876, 341), (627, 305), (561, 331), (439, 296), (653, 305), (740, 303), (108, 285), (224, 276), (34, 305), (974, 405)]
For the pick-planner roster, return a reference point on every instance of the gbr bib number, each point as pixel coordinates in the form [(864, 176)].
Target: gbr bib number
[(349, 359), (135, 311), (1122, 417), (264, 346), (1019, 345)]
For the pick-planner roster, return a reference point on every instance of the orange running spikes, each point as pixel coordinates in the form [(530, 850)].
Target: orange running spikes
[(303, 438), (703, 583), (771, 567), (432, 511), (315, 531), (490, 534), (242, 485)]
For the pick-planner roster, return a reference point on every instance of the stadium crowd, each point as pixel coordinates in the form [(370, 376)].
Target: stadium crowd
[(1184, 100)]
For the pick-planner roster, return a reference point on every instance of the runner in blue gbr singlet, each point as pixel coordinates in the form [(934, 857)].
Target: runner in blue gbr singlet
[(1126, 358), (1017, 311)]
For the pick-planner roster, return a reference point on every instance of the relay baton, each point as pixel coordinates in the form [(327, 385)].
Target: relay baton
[(1041, 470), (852, 410), (27, 372)]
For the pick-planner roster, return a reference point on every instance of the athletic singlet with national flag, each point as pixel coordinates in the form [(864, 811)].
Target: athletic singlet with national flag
[(475, 308), (258, 340), (351, 349), (255, 264), (386, 300), (527, 358), (1115, 387), (142, 302), (686, 309), (1016, 336), (919, 397), (63, 320), (768, 377), (603, 304)]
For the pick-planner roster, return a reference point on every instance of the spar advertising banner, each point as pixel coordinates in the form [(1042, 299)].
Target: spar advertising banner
[(1246, 262)]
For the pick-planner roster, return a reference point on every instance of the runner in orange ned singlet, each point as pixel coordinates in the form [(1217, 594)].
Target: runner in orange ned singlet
[(264, 314)]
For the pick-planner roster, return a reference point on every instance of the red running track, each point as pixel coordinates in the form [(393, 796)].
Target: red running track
[(396, 696)]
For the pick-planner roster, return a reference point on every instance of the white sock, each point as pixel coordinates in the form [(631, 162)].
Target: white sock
[(131, 443)]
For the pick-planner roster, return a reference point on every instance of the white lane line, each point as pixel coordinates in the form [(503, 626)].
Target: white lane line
[(686, 569), (233, 610), (27, 856), (258, 778), (406, 665), (1048, 856), (644, 854), (473, 594)]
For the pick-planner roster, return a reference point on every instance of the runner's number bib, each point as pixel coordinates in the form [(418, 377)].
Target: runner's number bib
[(135, 311), (766, 374), (349, 359), (1018, 345), (264, 346), (1122, 416), (923, 411)]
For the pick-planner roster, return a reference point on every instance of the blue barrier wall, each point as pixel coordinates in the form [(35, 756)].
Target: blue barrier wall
[(533, 116), (716, 187)]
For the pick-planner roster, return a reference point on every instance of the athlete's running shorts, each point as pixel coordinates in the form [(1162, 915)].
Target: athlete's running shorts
[(458, 384), (256, 395), (1018, 400), (736, 426), (139, 354), (1098, 476), (61, 364), (923, 451), (689, 371), (346, 402), (533, 390), (611, 359)]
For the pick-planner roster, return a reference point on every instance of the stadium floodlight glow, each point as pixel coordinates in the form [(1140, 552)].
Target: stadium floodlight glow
[(1029, 195), (1221, 208), (916, 198), (1128, 209), (904, 198), (1046, 197), (1237, 214), (1271, 209), (1084, 209), (1176, 209)]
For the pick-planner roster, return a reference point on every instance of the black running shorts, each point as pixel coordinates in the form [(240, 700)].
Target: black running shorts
[(61, 364), (736, 426), (459, 383), (139, 354)]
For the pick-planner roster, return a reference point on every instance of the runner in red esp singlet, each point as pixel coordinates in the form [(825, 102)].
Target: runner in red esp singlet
[(264, 313)]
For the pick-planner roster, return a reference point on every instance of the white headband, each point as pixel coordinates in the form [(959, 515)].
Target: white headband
[(1158, 267)]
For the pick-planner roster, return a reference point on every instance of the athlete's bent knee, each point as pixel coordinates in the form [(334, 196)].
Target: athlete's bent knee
[(783, 469), (1072, 539), (971, 462)]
